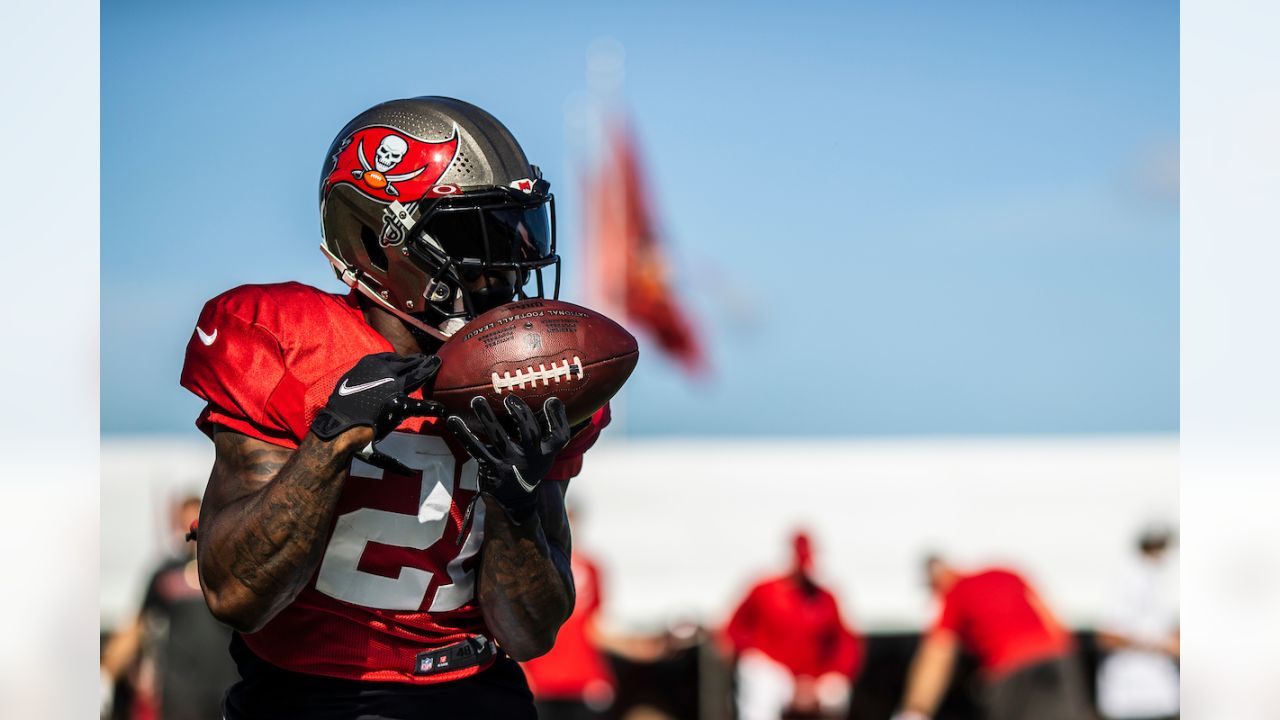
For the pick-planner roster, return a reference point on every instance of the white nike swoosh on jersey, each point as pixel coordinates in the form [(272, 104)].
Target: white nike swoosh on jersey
[(527, 487), (207, 338), (344, 389)]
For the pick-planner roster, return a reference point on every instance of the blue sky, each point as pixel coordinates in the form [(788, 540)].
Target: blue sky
[(889, 219)]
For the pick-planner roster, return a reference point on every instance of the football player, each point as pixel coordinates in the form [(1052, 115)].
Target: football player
[(378, 560)]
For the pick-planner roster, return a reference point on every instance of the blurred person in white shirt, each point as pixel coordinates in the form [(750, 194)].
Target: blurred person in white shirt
[(1138, 679)]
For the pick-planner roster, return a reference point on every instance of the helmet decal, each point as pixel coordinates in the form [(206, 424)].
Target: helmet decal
[(387, 164)]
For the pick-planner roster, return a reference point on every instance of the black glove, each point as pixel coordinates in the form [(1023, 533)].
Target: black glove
[(375, 393), (511, 467)]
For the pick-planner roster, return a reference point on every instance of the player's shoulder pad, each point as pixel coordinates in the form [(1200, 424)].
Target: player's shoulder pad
[(275, 307), (237, 358), (256, 316)]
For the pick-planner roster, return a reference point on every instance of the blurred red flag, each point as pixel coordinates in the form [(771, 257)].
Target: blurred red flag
[(628, 270)]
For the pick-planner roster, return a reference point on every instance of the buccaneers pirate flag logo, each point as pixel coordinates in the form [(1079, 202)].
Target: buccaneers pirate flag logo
[(387, 164)]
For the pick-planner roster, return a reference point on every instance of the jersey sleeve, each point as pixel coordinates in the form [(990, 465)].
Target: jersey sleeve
[(236, 365), (848, 652), (951, 618), (569, 462), (741, 628)]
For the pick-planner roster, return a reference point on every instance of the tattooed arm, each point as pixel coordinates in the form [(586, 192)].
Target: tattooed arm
[(263, 520), (526, 585)]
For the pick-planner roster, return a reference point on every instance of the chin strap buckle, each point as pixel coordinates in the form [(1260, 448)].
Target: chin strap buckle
[(346, 273)]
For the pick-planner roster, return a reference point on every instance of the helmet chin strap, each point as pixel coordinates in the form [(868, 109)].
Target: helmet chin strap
[(441, 332), (351, 277), (454, 324)]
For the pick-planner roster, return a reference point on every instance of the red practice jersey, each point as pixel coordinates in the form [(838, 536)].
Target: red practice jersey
[(999, 618), (800, 630), (398, 573)]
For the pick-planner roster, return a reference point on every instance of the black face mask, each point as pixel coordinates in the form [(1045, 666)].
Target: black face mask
[(494, 289), (491, 297), (502, 235)]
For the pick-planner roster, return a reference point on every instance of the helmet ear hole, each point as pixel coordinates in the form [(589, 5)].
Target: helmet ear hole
[(373, 248)]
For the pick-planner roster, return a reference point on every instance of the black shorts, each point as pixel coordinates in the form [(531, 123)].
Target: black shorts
[(1051, 689), (266, 692)]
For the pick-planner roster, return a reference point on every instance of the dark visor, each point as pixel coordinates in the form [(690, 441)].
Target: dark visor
[(491, 236)]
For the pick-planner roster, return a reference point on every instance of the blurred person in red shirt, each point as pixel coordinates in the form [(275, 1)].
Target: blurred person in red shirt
[(1026, 656), (794, 654)]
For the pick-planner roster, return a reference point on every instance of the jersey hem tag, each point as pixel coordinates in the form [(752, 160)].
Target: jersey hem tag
[(450, 658)]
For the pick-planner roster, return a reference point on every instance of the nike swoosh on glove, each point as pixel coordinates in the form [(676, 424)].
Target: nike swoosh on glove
[(375, 393), (512, 466)]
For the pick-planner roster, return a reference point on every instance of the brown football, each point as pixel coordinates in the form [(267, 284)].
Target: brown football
[(536, 349)]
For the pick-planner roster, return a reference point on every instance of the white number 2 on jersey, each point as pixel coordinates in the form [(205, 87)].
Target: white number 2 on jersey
[(340, 576)]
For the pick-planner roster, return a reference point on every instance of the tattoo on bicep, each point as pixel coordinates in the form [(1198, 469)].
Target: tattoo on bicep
[(265, 463), (241, 458), (280, 526)]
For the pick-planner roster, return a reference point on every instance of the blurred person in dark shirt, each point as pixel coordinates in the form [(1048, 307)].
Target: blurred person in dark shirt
[(1026, 656), (174, 651), (795, 655)]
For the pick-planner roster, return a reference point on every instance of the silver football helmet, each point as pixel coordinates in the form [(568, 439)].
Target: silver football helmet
[(430, 208)]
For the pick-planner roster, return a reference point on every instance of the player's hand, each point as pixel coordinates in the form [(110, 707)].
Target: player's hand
[(375, 394), (512, 466)]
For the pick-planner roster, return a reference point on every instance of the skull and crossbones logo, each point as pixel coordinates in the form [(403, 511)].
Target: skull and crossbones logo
[(389, 154)]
